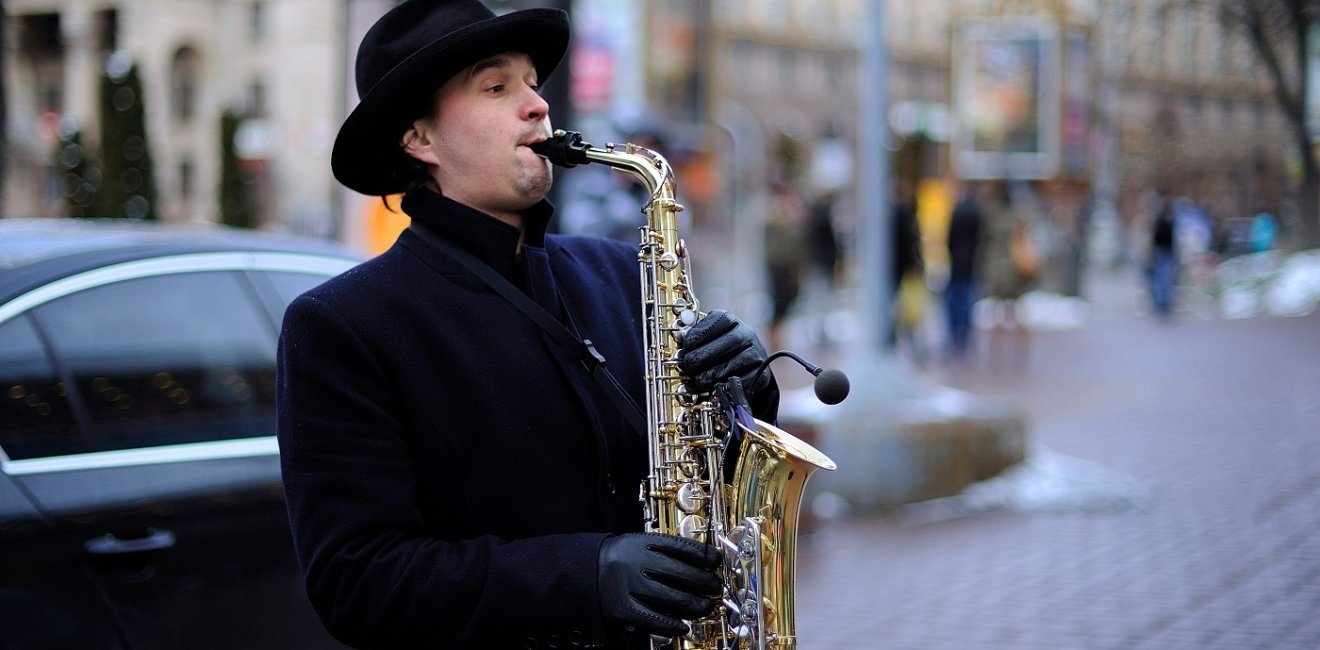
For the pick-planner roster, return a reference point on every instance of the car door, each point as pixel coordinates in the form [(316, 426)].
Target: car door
[(170, 472), (47, 600)]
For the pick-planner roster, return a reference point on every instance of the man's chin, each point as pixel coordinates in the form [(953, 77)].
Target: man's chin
[(535, 188)]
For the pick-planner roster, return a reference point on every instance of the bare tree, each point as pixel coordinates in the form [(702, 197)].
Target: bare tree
[(1277, 31)]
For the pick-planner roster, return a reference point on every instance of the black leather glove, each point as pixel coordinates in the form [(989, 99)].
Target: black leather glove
[(719, 347), (653, 582)]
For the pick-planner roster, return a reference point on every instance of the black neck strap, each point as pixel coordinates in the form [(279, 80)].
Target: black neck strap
[(581, 349)]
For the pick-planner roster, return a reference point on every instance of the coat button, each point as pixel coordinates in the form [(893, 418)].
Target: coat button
[(552, 641), (531, 644), (576, 639)]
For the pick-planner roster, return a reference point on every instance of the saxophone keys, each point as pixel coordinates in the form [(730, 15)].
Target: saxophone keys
[(685, 318), (689, 464), (732, 607), (668, 205), (691, 498), (747, 544), (693, 527)]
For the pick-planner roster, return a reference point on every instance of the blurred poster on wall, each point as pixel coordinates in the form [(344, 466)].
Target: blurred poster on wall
[(1006, 98)]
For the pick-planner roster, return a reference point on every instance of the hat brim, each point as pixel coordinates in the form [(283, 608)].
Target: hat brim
[(366, 156)]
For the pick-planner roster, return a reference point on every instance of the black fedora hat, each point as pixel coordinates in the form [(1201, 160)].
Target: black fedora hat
[(409, 53)]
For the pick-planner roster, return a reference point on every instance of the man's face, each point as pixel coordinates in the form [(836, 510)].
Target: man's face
[(476, 140)]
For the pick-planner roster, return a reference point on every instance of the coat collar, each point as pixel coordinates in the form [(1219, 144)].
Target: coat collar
[(491, 240)]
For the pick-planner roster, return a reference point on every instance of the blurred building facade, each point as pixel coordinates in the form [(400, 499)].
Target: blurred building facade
[(758, 89), (1193, 109), (1154, 95), (276, 63)]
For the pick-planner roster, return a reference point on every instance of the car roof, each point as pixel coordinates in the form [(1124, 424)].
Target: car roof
[(35, 251)]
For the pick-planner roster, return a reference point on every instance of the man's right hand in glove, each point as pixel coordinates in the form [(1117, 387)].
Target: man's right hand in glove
[(653, 582)]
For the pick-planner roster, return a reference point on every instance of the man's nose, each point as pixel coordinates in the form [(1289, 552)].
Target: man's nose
[(536, 107)]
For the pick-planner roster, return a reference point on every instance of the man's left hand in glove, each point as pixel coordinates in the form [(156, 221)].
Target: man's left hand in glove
[(719, 347)]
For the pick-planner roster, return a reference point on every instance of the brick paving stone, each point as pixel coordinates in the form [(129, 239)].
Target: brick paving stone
[(1214, 421)]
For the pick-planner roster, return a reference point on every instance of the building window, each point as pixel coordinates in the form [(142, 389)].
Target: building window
[(183, 84), (739, 56), (50, 90), (1155, 37), (41, 36), (1120, 30), (185, 180), (108, 30), (775, 13), (1192, 105), (1185, 31), (257, 22), (257, 99)]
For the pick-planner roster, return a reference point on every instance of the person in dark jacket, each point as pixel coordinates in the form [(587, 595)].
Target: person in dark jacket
[(454, 478), (960, 293), (1163, 264)]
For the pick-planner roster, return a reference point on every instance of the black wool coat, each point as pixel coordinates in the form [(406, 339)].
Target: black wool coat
[(450, 472)]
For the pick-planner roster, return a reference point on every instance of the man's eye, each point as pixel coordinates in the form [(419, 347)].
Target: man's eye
[(497, 88)]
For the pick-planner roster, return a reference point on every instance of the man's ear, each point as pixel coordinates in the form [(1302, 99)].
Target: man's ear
[(417, 143)]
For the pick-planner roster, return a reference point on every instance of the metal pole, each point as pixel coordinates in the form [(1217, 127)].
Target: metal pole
[(874, 231)]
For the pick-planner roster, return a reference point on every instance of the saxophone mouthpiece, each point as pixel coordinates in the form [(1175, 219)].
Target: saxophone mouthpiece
[(564, 148)]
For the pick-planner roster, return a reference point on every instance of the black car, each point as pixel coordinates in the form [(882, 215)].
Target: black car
[(140, 496)]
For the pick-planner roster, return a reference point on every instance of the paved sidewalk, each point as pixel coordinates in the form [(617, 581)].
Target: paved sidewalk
[(1171, 500)]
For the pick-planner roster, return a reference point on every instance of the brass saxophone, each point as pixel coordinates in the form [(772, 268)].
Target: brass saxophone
[(716, 474)]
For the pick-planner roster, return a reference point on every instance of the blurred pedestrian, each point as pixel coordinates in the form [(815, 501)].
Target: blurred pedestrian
[(1264, 228), (960, 293), (1010, 265), (823, 239), (785, 256), (907, 271), (1162, 265)]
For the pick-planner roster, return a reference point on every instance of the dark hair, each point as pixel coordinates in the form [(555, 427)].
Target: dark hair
[(404, 170), (410, 173)]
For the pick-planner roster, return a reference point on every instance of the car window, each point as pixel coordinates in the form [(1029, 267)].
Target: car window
[(35, 418), (166, 359)]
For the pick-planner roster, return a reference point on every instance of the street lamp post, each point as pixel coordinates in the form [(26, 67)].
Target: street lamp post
[(874, 233)]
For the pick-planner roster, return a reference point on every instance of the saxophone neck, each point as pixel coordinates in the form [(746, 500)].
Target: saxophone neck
[(567, 149)]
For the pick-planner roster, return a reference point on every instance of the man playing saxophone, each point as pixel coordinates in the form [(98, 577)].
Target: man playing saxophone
[(455, 477)]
